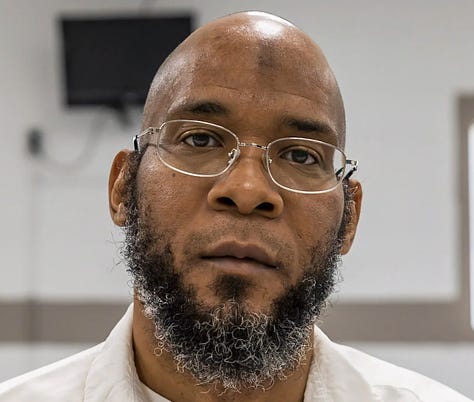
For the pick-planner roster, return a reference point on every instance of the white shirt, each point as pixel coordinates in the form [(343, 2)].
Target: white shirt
[(107, 372)]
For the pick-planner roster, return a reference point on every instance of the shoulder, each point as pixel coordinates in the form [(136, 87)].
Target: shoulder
[(61, 381), (386, 377), (383, 381)]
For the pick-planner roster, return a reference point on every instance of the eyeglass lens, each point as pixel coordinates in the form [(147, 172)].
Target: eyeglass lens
[(206, 149)]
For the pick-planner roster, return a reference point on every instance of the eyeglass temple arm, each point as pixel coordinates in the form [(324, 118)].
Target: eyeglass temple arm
[(138, 138), (135, 143), (354, 166)]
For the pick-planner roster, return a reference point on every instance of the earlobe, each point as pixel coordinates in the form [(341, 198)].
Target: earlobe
[(117, 190), (356, 200)]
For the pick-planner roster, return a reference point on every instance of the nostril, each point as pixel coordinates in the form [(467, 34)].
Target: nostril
[(266, 206), (226, 201)]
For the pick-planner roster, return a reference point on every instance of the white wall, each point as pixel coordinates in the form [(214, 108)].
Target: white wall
[(400, 66)]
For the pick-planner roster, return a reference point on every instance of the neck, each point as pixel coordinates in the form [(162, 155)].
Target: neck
[(159, 373)]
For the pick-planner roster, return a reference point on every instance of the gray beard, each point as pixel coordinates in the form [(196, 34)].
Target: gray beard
[(227, 346)]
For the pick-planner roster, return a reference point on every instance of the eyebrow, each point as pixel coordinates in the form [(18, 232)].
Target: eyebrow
[(206, 108), (320, 128)]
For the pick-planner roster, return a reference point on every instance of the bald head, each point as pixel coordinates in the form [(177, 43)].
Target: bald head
[(261, 46)]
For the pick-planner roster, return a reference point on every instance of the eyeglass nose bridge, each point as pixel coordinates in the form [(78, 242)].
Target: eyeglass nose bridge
[(253, 144), (235, 153)]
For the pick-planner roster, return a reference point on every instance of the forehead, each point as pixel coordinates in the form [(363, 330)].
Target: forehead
[(256, 79)]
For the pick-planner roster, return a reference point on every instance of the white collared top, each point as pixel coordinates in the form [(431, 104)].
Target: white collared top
[(106, 372)]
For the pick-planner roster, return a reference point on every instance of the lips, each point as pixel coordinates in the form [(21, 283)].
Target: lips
[(243, 252)]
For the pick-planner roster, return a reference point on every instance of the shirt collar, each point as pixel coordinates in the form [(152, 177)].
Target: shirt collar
[(113, 376)]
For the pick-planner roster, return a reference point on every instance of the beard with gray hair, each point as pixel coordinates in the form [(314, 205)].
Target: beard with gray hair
[(227, 346)]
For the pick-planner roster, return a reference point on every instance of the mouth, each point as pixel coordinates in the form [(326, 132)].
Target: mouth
[(240, 256)]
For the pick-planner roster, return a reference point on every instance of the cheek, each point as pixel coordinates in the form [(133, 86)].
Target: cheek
[(168, 199), (315, 221)]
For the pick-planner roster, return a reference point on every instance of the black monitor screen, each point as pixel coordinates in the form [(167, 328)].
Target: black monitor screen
[(111, 61)]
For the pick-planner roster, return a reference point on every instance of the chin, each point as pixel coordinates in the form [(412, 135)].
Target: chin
[(228, 291)]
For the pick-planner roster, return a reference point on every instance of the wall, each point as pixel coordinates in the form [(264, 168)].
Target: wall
[(400, 65)]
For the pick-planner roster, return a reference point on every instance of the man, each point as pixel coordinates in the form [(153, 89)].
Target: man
[(237, 203)]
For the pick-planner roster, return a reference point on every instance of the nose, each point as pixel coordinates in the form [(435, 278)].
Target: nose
[(247, 189)]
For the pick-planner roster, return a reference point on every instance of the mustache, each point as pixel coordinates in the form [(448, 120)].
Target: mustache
[(245, 232)]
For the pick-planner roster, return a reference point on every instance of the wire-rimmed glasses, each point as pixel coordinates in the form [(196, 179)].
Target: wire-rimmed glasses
[(203, 149)]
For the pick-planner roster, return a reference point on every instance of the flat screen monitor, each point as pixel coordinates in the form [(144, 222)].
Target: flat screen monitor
[(111, 61)]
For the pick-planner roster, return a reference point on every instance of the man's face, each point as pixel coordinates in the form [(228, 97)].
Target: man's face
[(233, 270), (241, 229)]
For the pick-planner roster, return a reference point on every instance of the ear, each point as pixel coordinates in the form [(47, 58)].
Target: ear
[(356, 190), (117, 190)]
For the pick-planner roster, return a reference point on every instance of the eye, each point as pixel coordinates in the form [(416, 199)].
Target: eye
[(201, 140), (300, 156)]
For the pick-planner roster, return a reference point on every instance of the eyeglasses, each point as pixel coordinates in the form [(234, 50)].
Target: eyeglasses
[(202, 149)]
